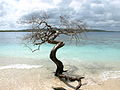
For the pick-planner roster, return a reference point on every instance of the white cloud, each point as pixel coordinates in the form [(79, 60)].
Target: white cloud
[(75, 5), (14, 9), (57, 1), (97, 13)]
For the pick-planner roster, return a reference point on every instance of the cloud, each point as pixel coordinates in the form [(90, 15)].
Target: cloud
[(101, 14), (98, 13), (2, 9), (12, 10)]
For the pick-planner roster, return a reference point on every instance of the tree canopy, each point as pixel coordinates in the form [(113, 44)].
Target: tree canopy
[(45, 29)]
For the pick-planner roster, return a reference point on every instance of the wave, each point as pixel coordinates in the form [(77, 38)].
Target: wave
[(20, 66), (110, 74)]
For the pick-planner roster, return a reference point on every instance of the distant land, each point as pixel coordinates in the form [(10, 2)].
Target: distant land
[(28, 30), (15, 31)]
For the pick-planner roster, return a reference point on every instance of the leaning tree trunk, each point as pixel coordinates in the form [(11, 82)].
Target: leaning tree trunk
[(58, 63), (60, 66)]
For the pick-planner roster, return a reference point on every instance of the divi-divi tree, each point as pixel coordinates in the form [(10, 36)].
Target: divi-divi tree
[(45, 30)]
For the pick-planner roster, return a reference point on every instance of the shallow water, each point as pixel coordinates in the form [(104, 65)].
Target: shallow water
[(96, 52), (97, 46)]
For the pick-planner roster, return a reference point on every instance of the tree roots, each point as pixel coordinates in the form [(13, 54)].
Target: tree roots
[(72, 79)]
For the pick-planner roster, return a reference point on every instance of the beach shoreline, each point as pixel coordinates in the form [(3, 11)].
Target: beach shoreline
[(35, 74), (43, 79)]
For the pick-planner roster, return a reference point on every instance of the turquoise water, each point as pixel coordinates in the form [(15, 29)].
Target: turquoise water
[(97, 53), (94, 46)]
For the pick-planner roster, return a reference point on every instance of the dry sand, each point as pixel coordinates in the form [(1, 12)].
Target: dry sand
[(43, 79)]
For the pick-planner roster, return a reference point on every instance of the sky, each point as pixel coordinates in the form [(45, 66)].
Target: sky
[(97, 14)]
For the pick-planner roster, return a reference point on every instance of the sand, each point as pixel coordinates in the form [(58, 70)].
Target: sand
[(44, 79)]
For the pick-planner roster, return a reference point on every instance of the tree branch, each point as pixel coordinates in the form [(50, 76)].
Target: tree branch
[(44, 32)]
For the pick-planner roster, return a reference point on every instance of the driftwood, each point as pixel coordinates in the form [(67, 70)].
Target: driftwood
[(58, 88), (46, 33), (72, 79)]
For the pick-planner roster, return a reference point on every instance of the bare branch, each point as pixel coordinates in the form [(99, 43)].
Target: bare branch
[(44, 32), (33, 50)]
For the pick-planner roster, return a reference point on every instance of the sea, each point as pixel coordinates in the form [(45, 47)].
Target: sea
[(94, 52)]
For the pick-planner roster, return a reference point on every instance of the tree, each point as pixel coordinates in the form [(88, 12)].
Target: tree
[(43, 31)]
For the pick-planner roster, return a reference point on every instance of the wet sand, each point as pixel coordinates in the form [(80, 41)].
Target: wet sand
[(44, 79)]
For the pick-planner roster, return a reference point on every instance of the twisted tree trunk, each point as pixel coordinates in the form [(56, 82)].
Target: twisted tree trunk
[(60, 66), (58, 63)]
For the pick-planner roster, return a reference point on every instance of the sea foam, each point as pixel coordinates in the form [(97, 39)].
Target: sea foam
[(110, 74), (20, 66)]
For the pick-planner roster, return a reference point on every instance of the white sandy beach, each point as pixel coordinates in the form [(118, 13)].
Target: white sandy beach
[(30, 76), (43, 79)]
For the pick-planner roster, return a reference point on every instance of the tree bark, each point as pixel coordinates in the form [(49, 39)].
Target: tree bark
[(60, 66), (53, 57)]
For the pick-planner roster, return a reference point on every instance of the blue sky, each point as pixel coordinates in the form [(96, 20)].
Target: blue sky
[(98, 14)]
